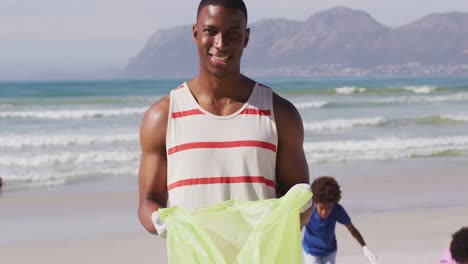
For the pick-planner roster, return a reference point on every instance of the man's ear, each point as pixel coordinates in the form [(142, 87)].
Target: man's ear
[(247, 36), (195, 33)]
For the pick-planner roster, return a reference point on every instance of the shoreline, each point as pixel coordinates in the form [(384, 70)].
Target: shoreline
[(405, 209)]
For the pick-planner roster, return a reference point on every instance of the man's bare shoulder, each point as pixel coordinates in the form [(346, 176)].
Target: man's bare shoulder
[(285, 111), (154, 124), (157, 112)]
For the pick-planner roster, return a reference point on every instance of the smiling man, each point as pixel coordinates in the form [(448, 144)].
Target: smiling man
[(220, 135)]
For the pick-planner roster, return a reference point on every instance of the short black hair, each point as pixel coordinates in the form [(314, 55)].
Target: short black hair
[(234, 4), (326, 189), (459, 245)]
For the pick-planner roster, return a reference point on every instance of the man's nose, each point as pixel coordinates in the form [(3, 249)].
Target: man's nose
[(220, 41)]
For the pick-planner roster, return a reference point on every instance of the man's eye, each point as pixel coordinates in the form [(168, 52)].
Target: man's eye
[(209, 31)]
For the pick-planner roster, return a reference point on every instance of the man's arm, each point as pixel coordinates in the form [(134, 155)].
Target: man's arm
[(291, 163), (152, 177)]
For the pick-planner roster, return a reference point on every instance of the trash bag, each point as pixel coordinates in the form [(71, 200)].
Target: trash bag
[(256, 232)]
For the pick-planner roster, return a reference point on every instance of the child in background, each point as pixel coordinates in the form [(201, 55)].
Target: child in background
[(457, 252), (319, 241)]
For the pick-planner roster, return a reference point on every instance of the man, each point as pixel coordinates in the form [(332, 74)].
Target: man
[(221, 135)]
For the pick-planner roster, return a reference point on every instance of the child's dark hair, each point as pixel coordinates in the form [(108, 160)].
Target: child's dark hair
[(459, 245), (325, 189)]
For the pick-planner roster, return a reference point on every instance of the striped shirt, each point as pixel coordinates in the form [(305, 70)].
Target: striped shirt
[(213, 158)]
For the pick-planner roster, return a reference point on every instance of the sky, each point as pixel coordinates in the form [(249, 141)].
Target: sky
[(78, 39)]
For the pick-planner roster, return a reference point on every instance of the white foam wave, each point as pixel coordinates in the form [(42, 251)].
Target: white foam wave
[(425, 89), (457, 97), (36, 178), (334, 124), (382, 149), (313, 104), (20, 141), (458, 118), (72, 114), (350, 90), (48, 182), (68, 158)]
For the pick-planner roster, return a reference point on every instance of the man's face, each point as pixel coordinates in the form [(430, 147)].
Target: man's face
[(221, 36), (324, 209)]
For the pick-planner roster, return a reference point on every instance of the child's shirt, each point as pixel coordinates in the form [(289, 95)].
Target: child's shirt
[(319, 234)]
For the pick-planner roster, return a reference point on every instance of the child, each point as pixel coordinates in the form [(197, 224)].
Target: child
[(457, 251), (319, 241)]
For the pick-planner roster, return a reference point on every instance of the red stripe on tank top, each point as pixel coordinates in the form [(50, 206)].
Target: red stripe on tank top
[(180, 87), (247, 111), (251, 111), (226, 144), (187, 113), (218, 180)]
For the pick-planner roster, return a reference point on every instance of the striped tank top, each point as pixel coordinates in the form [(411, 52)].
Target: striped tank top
[(213, 158)]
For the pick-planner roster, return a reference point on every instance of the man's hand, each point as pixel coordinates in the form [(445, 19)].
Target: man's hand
[(306, 209), (158, 223), (308, 204)]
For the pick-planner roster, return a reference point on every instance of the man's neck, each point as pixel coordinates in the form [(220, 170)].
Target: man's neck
[(221, 96), (233, 87)]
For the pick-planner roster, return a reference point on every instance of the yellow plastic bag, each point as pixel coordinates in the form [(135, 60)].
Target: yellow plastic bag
[(257, 232)]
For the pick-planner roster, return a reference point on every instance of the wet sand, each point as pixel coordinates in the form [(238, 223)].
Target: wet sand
[(406, 211)]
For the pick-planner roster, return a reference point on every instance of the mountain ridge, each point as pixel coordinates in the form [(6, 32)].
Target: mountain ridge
[(335, 42)]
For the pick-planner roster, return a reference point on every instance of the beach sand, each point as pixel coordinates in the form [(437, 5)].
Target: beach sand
[(406, 210)]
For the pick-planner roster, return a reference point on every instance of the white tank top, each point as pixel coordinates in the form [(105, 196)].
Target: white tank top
[(213, 158)]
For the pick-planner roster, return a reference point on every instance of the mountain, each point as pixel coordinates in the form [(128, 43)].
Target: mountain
[(168, 53), (338, 41)]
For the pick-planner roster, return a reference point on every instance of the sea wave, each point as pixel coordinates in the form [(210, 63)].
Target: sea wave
[(379, 90), (373, 101), (311, 104), (21, 141), (440, 119), (457, 118), (424, 89), (5, 106), (72, 114), (40, 178), (350, 90), (334, 124), (456, 97), (410, 99), (383, 148), (68, 158)]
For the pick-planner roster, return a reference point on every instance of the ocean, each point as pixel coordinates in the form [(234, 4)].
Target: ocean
[(59, 132)]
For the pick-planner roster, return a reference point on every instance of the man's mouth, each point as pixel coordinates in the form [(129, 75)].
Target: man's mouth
[(220, 59)]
